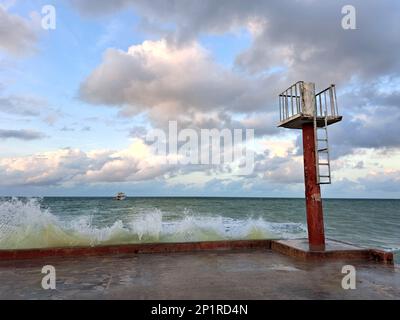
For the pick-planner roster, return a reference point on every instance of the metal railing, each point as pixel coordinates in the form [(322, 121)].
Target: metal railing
[(326, 102), (290, 101)]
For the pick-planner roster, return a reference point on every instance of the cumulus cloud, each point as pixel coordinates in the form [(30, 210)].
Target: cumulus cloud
[(290, 41), (17, 35), (73, 166), (21, 134), (139, 162), (276, 169), (169, 82), (49, 168)]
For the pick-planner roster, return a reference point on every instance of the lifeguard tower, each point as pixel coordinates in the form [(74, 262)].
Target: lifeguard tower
[(301, 108)]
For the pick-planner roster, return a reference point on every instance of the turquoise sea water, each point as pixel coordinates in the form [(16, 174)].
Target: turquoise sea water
[(44, 222)]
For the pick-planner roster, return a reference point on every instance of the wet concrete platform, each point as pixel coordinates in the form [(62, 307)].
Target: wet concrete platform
[(257, 273), (295, 248)]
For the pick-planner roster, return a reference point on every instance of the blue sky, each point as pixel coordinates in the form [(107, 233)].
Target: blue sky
[(76, 102), (65, 56)]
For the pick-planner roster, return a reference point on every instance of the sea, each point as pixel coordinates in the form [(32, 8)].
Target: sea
[(92, 221)]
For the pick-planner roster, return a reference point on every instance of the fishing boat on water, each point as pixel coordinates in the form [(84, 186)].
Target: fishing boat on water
[(120, 196)]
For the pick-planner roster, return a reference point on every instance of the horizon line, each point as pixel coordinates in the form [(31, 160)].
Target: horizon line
[(192, 196)]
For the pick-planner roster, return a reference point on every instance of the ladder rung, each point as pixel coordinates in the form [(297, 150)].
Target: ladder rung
[(322, 147)]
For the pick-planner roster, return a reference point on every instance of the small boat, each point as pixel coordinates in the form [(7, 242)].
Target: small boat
[(120, 196)]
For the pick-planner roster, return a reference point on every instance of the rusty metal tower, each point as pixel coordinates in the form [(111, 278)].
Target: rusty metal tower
[(301, 108)]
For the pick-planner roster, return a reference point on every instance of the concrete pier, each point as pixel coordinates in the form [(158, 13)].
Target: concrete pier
[(259, 269), (295, 248), (239, 274)]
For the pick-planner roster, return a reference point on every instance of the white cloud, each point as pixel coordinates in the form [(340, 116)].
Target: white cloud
[(276, 167), (139, 162), (169, 82), (74, 166)]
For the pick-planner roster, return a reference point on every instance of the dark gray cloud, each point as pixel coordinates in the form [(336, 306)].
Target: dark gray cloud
[(86, 128), (377, 128), (67, 129), (305, 36), (359, 165), (21, 134), (102, 7), (379, 185), (22, 105), (26, 106), (363, 126), (138, 132)]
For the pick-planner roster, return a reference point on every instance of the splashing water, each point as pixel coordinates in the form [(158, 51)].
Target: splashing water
[(56, 222), (26, 223)]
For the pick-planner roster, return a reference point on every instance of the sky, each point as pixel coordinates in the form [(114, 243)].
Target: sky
[(77, 101)]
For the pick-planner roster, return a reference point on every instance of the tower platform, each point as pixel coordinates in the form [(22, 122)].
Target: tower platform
[(298, 120)]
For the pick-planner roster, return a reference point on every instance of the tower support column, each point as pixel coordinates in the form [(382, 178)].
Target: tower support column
[(315, 220)]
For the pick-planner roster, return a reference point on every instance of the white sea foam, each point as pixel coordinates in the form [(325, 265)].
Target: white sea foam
[(24, 224)]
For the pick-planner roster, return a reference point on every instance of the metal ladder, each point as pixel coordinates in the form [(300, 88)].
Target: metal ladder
[(322, 158)]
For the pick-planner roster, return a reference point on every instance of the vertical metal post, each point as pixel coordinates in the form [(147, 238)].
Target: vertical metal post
[(315, 221)]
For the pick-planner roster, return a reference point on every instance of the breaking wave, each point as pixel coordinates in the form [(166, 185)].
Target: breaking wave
[(25, 224)]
